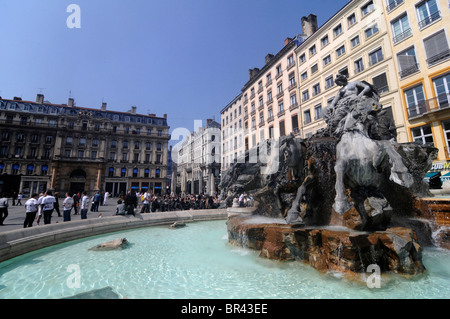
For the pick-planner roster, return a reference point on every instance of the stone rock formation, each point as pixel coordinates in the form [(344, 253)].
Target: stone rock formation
[(395, 250), (116, 244)]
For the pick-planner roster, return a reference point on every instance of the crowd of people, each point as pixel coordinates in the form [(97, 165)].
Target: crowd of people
[(40, 207)]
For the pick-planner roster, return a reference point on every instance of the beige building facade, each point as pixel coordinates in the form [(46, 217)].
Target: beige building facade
[(354, 42), (419, 32)]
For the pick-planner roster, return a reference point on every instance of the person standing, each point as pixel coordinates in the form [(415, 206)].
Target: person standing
[(41, 197), (57, 204), (19, 199), (31, 209), (3, 208), (105, 198), (146, 203), (48, 205), (97, 199), (84, 205), (67, 207), (76, 202)]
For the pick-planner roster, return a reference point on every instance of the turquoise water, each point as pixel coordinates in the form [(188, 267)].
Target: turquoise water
[(195, 262)]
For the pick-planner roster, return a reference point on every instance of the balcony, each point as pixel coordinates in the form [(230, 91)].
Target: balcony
[(293, 107), (408, 71), (438, 103), (430, 19), (402, 36), (393, 5), (438, 58)]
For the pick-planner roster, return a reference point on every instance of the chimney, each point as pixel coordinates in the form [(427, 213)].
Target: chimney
[(286, 42), (252, 73), (71, 102), (165, 116), (268, 58), (208, 121), (103, 106), (133, 110), (40, 98), (309, 25), (16, 98)]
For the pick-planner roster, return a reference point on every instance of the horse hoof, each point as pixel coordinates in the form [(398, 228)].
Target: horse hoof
[(341, 207)]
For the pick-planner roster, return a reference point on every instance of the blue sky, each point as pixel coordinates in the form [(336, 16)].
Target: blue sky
[(184, 58)]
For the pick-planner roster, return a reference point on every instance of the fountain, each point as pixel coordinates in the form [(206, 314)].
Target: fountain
[(350, 196)]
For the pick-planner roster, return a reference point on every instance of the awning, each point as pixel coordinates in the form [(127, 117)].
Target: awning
[(429, 176), (445, 177)]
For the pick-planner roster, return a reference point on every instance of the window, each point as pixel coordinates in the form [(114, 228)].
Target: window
[(125, 144), (312, 50), (318, 112), (329, 82), (269, 78), (112, 156), (316, 89), (291, 80), (304, 76), (371, 31), (44, 170), (80, 154), (280, 88), (147, 172), (295, 123), (137, 145), (302, 58), (280, 106), (82, 141), (69, 140), (351, 20), (293, 100), (279, 71), (291, 60), (111, 172), (93, 154), (436, 48), (282, 129), (367, 8), (261, 118), (427, 12), (415, 100), (442, 89), (337, 30), (260, 87), (423, 134), (261, 103), (392, 4), (307, 116), (375, 57), (135, 172), (340, 51), (305, 95), (314, 68), (123, 172), (380, 83), (158, 147), (324, 41), (355, 41), (400, 29), (407, 62), (124, 156), (326, 60), (359, 66), (95, 142)]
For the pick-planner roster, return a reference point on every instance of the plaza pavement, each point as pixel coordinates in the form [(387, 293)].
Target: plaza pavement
[(16, 214)]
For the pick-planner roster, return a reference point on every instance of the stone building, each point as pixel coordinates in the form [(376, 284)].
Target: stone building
[(198, 161), (66, 148)]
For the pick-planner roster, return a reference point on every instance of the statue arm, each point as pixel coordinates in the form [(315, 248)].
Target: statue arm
[(365, 88)]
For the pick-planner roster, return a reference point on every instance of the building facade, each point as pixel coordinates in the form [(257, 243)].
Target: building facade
[(198, 161), (232, 118), (66, 148), (354, 42), (419, 33)]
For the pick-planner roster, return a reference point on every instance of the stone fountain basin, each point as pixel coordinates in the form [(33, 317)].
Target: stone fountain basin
[(329, 248)]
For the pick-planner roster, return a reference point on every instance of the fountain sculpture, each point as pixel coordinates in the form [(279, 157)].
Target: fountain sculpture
[(340, 200)]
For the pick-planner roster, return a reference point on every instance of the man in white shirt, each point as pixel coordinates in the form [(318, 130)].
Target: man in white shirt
[(67, 207), (48, 205), (31, 209), (41, 197), (146, 203), (84, 205)]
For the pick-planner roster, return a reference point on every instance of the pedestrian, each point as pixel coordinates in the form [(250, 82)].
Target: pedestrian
[(145, 203), (57, 204), (97, 199), (48, 205), (19, 198), (105, 199), (14, 196), (130, 203), (67, 207), (41, 197), (84, 205), (76, 202), (3, 208), (31, 209)]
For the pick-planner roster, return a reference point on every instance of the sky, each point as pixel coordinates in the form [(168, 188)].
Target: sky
[(184, 58)]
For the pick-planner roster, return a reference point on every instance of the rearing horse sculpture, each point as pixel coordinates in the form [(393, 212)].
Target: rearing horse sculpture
[(359, 158)]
